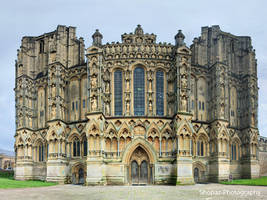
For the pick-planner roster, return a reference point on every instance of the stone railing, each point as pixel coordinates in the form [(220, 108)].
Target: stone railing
[(112, 155), (168, 154), (184, 152), (94, 153)]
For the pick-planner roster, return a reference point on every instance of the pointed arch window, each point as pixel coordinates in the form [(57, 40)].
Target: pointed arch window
[(139, 91), (118, 92), (40, 152), (76, 147), (85, 144), (160, 92), (234, 147)]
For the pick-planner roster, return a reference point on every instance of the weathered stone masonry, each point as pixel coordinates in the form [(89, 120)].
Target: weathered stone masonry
[(136, 111)]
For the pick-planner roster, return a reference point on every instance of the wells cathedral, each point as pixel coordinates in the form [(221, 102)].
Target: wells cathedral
[(138, 111)]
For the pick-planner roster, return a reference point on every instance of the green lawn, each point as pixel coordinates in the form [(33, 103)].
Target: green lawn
[(11, 183), (259, 181)]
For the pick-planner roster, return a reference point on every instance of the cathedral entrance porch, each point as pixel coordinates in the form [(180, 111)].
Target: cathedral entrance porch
[(140, 169)]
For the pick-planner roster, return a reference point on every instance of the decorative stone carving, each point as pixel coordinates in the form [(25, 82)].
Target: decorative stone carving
[(94, 103), (128, 107), (184, 81), (94, 81), (107, 108), (150, 107), (139, 130), (88, 111), (222, 110), (183, 103), (53, 111)]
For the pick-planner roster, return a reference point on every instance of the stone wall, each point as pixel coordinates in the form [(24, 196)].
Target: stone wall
[(263, 155), (263, 163)]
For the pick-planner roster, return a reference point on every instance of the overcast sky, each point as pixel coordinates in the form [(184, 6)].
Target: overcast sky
[(115, 17)]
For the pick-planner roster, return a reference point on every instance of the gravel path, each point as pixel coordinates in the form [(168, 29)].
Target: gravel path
[(75, 192)]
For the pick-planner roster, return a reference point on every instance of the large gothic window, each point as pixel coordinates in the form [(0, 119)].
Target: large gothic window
[(160, 92), (118, 92), (139, 91)]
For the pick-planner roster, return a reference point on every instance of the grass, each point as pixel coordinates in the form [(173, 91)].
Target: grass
[(7, 181), (11, 183), (262, 181)]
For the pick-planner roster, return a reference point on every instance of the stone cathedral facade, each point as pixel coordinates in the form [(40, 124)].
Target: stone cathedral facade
[(136, 111)]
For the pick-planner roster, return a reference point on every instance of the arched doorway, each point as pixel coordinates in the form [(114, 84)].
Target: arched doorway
[(78, 174), (196, 175), (81, 176), (140, 168)]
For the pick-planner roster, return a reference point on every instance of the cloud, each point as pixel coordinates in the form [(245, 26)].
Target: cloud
[(113, 18)]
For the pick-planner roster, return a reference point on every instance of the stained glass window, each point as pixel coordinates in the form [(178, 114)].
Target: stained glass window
[(139, 91), (160, 92), (118, 92)]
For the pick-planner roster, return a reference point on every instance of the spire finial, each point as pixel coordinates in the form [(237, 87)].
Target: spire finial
[(97, 38), (179, 38), (138, 30)]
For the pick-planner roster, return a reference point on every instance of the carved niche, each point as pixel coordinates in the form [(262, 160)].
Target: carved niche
[(139, 130)]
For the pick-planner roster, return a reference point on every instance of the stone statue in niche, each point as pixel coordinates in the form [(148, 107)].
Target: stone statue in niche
[(53, 90), (184, 81), (107, 108), (106, 76), (147, 49), (112, 49), (94, 103), (118, 48), (128, 106), (153, 49), (94, 81), (183, 70), (130, 48), (124, 48), (107, 50), (53, 111), (183, 103), (150, 107), (107, 87), (127, 77)]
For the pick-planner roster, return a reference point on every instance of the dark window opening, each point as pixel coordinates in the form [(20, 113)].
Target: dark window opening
[(118, 92), (139, 91), (160, 92)]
